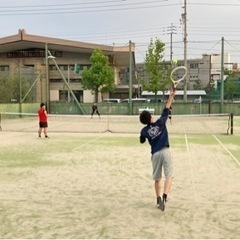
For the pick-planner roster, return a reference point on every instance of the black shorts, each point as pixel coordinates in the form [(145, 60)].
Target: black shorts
[(43, 124)]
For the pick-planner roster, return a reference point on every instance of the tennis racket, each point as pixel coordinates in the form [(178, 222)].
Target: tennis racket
[(176, 72)]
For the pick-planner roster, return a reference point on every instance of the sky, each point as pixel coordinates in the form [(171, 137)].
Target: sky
[(116, 22)]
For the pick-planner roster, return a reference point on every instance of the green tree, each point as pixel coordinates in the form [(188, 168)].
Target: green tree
[(197, 84), (230, 89), (156, 68), (99, 77), (231, 84), (6, 89), (10, 88)]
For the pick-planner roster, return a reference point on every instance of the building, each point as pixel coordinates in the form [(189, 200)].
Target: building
[(46, 61), (200, 71)]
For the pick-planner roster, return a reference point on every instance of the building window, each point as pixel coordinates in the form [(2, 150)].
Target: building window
[(64, 95), (71, 67), (194, 65), (75, 80), (4, 68), (32, 53), (60, 80), (52, 68), (193, 78), (55, 80), (66, 67)]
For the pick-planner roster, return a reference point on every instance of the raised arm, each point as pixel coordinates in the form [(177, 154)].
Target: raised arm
[(170, 99)]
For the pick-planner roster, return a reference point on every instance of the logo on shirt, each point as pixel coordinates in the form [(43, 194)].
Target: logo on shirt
[(154, 132)]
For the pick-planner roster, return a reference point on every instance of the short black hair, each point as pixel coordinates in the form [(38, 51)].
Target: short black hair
[(42, 104), (145, 117)]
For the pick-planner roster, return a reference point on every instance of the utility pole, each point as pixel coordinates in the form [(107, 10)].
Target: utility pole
[(20, 89), (130, 78), (222, 74), (47, 79), (184, 19), (171, 30), (68, 79)]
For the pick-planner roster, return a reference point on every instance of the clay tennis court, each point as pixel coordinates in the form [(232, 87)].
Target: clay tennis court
[(98, 185)]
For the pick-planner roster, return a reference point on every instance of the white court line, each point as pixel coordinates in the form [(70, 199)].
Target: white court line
[(190, 163), (233, 157), (225, 148), (86, 143)]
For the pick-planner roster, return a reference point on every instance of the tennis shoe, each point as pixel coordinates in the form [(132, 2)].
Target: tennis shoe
[(162, 203), (158, 201), (164, 200)]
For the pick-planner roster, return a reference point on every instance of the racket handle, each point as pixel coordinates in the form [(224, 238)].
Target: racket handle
[(174, 89)]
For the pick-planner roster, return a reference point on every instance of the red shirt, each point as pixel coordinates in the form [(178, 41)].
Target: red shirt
[(42, 115)]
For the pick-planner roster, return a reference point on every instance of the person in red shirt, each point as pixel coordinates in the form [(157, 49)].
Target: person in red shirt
[(43, 124)]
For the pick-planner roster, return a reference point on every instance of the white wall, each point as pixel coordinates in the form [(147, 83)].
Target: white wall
[(54, 95), (88, 97)]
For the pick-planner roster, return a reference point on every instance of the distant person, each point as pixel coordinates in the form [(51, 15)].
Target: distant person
[(157, 135), (95, 110), (43, 123)]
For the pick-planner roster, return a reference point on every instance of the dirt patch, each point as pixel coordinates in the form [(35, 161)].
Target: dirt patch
[(103, 189)]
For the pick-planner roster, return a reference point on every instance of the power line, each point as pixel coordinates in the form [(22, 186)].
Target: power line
[(58, 9), (81, 4), (216, 4), (58, 5)]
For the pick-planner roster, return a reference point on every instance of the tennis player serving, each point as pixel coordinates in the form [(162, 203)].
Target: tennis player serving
[(157, 135)]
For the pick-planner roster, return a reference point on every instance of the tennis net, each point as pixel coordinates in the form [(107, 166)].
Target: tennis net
[(191, 124)]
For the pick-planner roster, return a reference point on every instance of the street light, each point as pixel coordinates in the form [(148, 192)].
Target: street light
[(47, 78), (51, 57), (66, 82)]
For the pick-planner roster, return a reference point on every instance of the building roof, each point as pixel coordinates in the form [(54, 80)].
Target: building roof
[(22, 41), (178, 93)]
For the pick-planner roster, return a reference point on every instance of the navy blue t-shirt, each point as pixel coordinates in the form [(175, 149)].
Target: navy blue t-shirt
[(156, 133)]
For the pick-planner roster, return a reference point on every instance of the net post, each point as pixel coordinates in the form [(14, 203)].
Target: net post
[(231, 117)]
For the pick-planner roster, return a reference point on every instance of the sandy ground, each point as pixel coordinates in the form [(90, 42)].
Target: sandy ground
[(84, 188)]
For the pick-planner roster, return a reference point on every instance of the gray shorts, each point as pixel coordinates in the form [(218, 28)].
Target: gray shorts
[(162, 160)]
